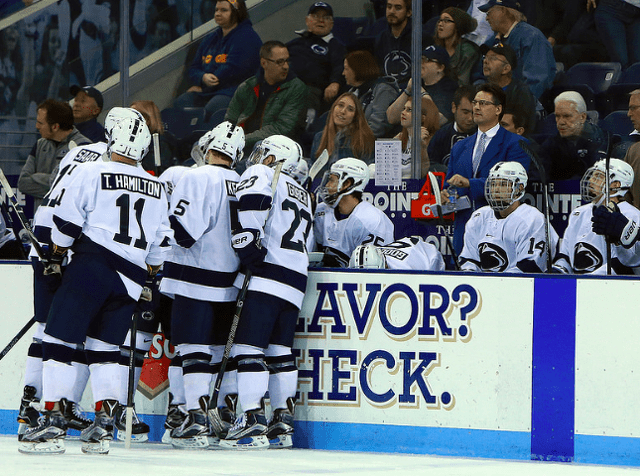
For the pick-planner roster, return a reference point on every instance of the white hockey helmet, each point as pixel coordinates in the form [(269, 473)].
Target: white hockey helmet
[(345, 169), (115, 115), (367, 256), (226, 139), (505, 185), (299, 171), (282, 149), (130, 137), (592, 185)]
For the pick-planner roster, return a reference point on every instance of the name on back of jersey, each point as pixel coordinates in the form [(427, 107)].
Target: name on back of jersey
[(86, 155), (298, 193), (231, 187), (397, 254), (131, 183)]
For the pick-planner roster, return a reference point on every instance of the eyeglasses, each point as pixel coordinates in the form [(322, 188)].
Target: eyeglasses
[(493, 58), (279, 62), (483, 103), (317, 17), (430, 60), (445, 20)]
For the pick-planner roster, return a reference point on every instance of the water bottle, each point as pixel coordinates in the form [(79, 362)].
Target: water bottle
[(453, 196)]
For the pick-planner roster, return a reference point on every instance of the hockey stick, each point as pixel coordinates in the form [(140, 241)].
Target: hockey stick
[(10, 223), (319, 164), (236, 318), (21, 216), (435, 188), (524, 145), (131, 384), (156, 153), (17, 337)]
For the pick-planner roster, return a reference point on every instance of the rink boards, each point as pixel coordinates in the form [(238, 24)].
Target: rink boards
[(468, 365)]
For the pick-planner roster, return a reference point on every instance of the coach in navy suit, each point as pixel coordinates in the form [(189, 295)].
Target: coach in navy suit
[(472, 158)]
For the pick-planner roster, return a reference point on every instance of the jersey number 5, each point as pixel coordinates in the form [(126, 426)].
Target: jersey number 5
[(124, 204)]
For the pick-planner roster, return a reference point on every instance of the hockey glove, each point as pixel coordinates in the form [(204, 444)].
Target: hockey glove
[(614, 225), (247, 245), (332, 261), (54, 264)]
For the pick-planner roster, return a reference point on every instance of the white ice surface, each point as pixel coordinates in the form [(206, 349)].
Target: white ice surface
[(161, 460)]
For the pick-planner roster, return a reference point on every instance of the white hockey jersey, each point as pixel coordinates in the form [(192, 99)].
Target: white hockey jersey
[(121, 208), (286, 228), (43, 218), (339, 235), (514, 244), (171, 177), (202, 264), (412, 252)]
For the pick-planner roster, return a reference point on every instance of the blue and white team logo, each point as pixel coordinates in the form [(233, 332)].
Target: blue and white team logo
[(320, 49), (397, 64), (586, 258), (492, 257)]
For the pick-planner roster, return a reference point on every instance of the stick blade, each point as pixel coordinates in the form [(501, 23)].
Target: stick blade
[(319, 164)]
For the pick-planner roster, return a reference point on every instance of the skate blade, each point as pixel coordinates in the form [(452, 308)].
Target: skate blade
[(281, 442), (259, 442), (193, 443), (96, 448), (166, 437), (141, 438), (53, 447)]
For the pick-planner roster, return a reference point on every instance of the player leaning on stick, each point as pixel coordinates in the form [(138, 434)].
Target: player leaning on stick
[(272, 245), (583, 249), (199, 274), (113, 215), (45, 286), (506, 235)]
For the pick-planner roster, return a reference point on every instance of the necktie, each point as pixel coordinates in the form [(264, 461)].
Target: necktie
[(479, 151)]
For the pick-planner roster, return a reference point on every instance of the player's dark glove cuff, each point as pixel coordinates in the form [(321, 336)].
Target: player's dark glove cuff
[(249, 249), (614, 225), (56, 257)]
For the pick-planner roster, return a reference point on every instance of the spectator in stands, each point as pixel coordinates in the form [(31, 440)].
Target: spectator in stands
[(577, 145), (473, 157), (462, 126), (317, 57), (498, 65), (452, 25), (618, 23), (225, 58), (273, 102), (376, 93), (87, 106), (55, 124), (633, 153), (483, 31), (392, 47), (346, 133), (52, 72), (435, 82), (536, 64), (16, 71), (430, 124)]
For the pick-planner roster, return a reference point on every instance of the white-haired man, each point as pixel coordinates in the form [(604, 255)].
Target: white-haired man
[(578, 144)]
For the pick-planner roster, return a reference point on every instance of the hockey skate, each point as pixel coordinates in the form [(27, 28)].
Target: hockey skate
[(222, 418), (249, 432), (194, 433), (175, 417), (48, 436), (139, 429), (280, 431), (75, 419), (28, 415), (95, 439)]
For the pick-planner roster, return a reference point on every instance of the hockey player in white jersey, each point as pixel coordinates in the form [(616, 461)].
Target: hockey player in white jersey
[(46, 285), (113, 215), (343, 220), (411, 252), (583, 250), (272, 244), (199, 274), (506, 235)]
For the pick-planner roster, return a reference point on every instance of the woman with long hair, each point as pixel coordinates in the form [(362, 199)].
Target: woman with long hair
[(430, 123), (346, 133), (464, 54)]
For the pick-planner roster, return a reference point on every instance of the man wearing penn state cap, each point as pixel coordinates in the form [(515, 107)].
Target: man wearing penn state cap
[(498, 64), (87, 105), (317, 57), (536, 65)]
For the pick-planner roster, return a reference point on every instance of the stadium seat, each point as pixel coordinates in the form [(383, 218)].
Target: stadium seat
[(585, 91), (181, 122), (598, 76), (630, 75), (348, 29), (615, 98), (617, 123)]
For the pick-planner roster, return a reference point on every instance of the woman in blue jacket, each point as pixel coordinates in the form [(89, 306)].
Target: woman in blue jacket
[(224, 59)]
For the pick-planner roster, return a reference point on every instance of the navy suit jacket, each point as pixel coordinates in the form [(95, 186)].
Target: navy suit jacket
[(504, 147)]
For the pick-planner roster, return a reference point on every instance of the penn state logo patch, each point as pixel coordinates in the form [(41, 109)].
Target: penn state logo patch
[(492, 257)]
